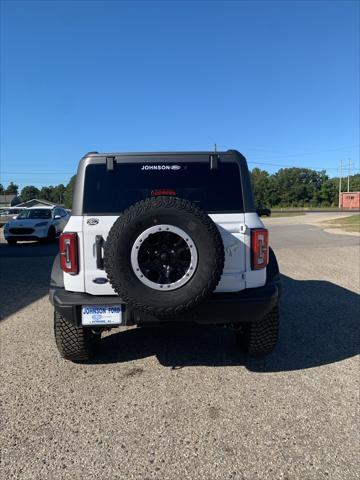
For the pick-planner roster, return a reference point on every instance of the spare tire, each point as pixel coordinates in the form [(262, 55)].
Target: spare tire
[(163, 256)]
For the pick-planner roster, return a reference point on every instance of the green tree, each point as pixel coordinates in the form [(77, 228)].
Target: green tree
[(328, 196), (297, 187), (355, 183), (45, 193), (12, 189), (2, 190), (69, 192), (58, 194), (28, 193), (260, 180)]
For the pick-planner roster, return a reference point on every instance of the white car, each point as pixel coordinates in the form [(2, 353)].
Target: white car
[(36, 223), (9, 213)]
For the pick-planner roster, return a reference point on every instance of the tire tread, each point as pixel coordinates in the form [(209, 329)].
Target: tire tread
[(260, 338), (74, 343), (129, 216)]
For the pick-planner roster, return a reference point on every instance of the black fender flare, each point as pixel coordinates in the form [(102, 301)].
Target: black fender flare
[(57, 275), (272, 271)]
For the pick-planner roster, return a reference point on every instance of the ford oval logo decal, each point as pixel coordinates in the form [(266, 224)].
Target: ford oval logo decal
[(92, 221), (100, 280)]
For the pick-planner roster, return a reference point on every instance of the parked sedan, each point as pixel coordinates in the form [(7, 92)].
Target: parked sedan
[(263, 211), (8, 213), (36, 223)]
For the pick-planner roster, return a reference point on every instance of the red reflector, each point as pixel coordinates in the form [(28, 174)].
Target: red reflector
[(162, 191), (259, 248), (69, 253)]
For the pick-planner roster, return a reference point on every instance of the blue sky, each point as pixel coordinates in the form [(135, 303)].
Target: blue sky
[(277, 80)]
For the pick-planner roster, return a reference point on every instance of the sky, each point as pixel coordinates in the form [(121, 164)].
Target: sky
[(276, 80)]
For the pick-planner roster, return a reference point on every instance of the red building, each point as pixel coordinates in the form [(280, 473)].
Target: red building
[(350, 200)]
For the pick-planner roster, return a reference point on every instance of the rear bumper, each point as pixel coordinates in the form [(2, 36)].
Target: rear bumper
[(249, 305)]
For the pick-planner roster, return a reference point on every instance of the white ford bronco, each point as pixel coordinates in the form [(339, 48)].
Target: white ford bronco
[(164, 237)]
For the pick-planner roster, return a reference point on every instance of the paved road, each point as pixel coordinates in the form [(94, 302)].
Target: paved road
[(184, 404)]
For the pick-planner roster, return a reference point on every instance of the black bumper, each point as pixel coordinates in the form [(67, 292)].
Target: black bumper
[(249, 305), (21, 238)]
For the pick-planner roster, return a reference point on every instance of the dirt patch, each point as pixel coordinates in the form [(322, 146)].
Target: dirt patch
[(340, 231), (214, 413)]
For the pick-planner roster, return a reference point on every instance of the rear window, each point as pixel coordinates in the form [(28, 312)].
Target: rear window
[(113, 191)]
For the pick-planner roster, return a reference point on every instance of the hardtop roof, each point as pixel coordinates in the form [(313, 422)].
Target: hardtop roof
[(165, 153)]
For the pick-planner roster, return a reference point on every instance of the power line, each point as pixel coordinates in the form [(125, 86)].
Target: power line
[(249, 162), (41, 184), (277, 152), (38, 173), (268, 164), (294, 166)]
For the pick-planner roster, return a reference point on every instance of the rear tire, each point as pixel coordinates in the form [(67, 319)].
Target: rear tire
[(12, 242), (77, 344), (259, 338)]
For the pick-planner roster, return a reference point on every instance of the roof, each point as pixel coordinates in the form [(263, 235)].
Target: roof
[(15, 207), (137, 154), (42, 207), (6, 198), (9, 200), (45, 202)]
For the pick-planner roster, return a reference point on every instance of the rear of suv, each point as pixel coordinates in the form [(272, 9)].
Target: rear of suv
[(164, 237)]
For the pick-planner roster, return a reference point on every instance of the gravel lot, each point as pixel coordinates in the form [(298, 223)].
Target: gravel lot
[(171, 403)]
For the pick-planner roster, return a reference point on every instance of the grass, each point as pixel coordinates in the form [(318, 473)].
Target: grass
[(287, 214), (305, 209), (349, 224)]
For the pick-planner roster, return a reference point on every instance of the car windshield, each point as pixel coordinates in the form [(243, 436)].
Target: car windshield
[(41, 213), (214, 191)]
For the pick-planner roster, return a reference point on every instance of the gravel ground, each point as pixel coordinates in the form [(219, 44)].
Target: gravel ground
[(171, 403)]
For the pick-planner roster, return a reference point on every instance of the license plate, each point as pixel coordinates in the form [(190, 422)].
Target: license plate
[(101, 315)]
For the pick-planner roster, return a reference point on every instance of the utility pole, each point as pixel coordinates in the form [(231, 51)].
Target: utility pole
[(349, 175), (340, 174)]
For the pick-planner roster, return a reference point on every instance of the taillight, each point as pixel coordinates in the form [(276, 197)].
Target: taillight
[(69, 253), (163, 191), (259, 248)]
